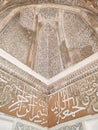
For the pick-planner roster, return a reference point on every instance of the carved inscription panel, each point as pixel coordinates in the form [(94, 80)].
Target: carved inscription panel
[(76, 100), (17, 98)]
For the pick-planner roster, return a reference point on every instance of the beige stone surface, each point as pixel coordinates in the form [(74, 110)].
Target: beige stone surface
[(43, 43)]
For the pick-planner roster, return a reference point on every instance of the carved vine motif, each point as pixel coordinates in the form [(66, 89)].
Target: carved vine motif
[(16, 99)]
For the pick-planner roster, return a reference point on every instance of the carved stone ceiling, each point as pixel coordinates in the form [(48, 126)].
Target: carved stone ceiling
[(49, 38), (48, 60)]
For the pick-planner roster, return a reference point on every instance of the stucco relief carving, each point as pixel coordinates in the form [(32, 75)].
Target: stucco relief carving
[(10, 2), (85, 45), (82, 3), (79, 98), (74, 77), (13, 70), (5, 95), (11, 41), (20, 126), (35, 27), (77, 126), (50, 38), (18, 98)]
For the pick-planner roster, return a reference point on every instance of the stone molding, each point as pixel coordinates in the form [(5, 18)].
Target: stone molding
[(89, 67)]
